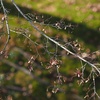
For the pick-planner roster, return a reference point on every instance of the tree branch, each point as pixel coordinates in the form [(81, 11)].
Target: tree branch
[(24, 70), (55, 42), (7, 27)]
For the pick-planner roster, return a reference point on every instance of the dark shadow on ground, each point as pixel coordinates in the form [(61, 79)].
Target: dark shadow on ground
[(82, 31)]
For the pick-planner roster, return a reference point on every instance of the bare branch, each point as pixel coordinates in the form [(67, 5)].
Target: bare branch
[(24, 70), (82, 59), (7, 27)]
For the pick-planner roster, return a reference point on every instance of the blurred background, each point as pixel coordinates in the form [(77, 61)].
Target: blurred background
[(26, 67)]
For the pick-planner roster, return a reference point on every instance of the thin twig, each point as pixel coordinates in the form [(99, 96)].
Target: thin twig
[(7, 27), (24, 36), (94, 86)]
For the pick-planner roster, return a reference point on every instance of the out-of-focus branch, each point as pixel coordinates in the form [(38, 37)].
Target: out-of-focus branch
[(6, 89), (15, 88), (25, 71), (28, 56)]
